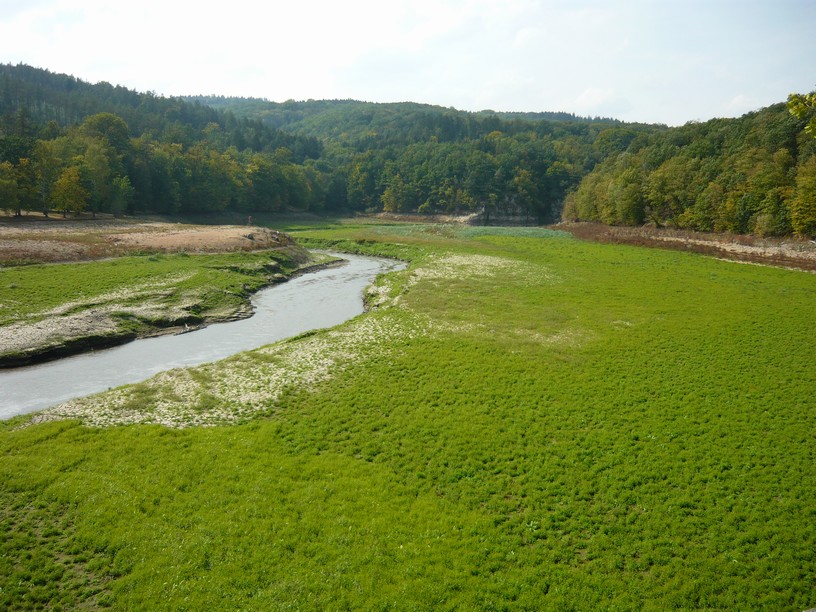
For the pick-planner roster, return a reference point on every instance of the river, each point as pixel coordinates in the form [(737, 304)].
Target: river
[(315, 300)]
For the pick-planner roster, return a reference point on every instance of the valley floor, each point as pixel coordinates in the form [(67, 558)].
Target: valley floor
[(522, 420)]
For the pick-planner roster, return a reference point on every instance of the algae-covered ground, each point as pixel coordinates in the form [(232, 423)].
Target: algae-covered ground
[(521, 421)]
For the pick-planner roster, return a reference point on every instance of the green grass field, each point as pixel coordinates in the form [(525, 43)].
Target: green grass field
[(526, 421)]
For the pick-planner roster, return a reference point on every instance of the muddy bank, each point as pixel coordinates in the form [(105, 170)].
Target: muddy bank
[(37, 239), (112, 324), (142, 310)]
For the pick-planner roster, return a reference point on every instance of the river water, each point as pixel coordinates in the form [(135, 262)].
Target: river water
[(319, 299)]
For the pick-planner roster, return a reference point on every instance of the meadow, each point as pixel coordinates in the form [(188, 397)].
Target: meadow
[(522, 420)]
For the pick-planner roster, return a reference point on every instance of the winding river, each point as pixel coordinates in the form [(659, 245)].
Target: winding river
[(319, 299)]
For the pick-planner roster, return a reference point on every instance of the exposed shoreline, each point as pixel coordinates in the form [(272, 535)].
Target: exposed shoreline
[(797, 254), (99, 339), (59, 241)]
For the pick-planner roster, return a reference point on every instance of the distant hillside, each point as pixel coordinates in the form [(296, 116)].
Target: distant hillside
[(362, 125), (31, 98)]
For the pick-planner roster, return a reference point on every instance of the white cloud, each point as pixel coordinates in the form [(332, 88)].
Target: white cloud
[(635, 60)]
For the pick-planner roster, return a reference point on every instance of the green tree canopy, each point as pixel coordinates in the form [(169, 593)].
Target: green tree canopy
[(803, 106)]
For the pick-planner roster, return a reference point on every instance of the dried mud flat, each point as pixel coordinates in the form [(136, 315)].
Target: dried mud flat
[(793, 253), (36, 239)]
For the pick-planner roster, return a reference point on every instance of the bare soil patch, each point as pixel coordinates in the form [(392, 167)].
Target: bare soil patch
[(38, 239)]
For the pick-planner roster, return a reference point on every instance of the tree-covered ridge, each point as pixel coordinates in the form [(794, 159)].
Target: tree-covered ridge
[(755, 174), (68, 145), (31, 98), (363, 125), (408, 157)]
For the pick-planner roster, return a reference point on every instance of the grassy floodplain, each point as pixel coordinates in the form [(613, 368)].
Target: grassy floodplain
[(525, 421)]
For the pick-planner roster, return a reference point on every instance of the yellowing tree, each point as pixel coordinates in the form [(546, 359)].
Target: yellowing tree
[(803, 106), (68, 194), (803, 205)]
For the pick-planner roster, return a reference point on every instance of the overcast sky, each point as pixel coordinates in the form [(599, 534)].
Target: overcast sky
[(659, 61)]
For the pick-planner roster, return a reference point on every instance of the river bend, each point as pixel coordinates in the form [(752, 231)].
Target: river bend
[(315, 300)]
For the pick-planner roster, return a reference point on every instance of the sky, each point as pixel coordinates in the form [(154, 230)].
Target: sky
[(656, 61)]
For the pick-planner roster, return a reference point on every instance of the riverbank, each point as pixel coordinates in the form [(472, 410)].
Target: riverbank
[(104, 282), (306, 302), (782, 252), (141, 311)]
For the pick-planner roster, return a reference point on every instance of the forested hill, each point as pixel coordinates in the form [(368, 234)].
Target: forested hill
[(68, 145), (755, 174), (409, 157), (31, 98), (360, 125)]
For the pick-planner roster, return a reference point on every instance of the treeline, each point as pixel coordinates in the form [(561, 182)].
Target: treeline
[(67, 145), (98, 167), (408, 157), (755, 174)]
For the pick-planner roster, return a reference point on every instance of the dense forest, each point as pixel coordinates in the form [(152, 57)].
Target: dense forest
[(408, 157), (755, 174), (67, 146)]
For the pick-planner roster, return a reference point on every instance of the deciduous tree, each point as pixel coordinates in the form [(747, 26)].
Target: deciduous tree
[(9, 192), (68, 194), (803, 106), (803, 206)]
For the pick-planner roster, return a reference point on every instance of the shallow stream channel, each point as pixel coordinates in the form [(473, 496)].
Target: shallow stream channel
[(315, 300)]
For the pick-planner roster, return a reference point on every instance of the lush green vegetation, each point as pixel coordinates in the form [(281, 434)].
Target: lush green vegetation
[(407, 157), (70, 146), (538, 423), (31, 291), (756, 174)]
